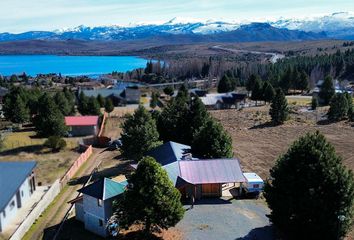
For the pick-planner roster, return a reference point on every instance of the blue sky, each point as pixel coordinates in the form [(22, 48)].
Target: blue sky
[(25, 15)]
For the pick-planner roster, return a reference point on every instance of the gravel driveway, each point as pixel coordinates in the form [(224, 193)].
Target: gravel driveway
[(227, 220)]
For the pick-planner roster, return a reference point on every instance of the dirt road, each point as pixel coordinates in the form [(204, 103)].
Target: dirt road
[(274, 57), (45, 226)]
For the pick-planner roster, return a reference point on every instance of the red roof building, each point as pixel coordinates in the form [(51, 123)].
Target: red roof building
[(81, 121), (82, 125)]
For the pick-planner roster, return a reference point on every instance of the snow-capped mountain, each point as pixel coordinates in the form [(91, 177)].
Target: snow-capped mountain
[(336, 25)]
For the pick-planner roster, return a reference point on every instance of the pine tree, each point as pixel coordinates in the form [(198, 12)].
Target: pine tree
[(279, 108), (63, 103), (108, 106), (150, 200), (93, 107), (251, 82), (303, 81), (212, 141), (83, 102), (350, 105), (339, 107), (198, 117), (20, 111), (286, 80), (154, 100), (311, 194), (327, 90), (225, 85), (257, 91), (139, 134), (168, 90), (268, 92), (100, 100), (314, 103), (49, 121), (70, 96)]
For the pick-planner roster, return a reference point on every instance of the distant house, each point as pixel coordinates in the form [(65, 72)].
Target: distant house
[(3, 92), (223, 100), (196, 177), (94, 207), (118, 96), (82, 125), (131, 96), (17, 184), (91, 85)]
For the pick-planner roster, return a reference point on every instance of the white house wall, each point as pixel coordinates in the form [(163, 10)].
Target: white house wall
[(10, 212)]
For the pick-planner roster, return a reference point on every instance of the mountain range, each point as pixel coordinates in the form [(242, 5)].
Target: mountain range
[(334, 26)]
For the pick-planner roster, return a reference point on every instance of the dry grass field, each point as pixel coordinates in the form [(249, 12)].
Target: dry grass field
[(258, 145), (25, 146)]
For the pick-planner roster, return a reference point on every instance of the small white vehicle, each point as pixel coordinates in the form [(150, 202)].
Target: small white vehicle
[(254, 184)]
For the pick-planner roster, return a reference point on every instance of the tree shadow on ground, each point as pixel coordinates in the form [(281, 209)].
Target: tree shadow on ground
[(324, 122), (263, 125), (72, 229), (212, 201), (38, 149), (261, 233), (139, 235), (27, 128), (123, 168)]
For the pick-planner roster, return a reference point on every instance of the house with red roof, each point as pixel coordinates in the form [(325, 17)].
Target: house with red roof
[(82, 125)]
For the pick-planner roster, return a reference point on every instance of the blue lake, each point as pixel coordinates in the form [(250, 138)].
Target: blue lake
[(68, 65)]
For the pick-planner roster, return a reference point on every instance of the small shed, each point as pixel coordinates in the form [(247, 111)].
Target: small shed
[(82, 125), (254, 183)]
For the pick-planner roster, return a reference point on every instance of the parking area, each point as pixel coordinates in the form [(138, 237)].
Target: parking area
[(227, 220)]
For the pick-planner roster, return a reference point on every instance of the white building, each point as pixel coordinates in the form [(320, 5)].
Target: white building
[(17, 184), (94, 207)]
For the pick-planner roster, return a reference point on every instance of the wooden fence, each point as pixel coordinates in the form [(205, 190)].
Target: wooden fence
[(76, 165), (102, 124)]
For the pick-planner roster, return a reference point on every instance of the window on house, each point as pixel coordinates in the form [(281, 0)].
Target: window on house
[(100, 222), (4, 213), (255, 185), (12, 204), (22, 193), (99, 202)]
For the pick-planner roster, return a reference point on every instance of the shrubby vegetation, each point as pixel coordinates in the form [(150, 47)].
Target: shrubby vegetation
[(311, 194), (55, 143), (341, 107)]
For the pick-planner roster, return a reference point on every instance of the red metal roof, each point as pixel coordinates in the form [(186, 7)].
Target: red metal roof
[(81, 121), (211, 171)]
